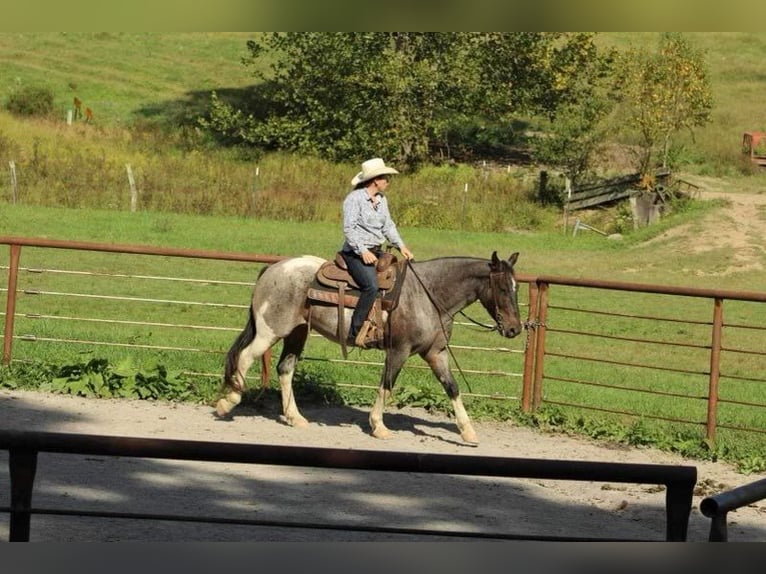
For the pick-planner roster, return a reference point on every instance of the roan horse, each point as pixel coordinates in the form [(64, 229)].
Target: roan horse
[(432, 293)]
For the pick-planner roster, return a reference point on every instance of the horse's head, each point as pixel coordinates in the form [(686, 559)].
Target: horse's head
[(500, 299)]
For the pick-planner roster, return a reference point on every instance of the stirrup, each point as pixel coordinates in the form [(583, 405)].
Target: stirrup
[(362, 341)]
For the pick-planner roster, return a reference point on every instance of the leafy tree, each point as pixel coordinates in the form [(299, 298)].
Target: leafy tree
[(579, 121), (350, 94), (354, 94), (663, 93), (530, 73)]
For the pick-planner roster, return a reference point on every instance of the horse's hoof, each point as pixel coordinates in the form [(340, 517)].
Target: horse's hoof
[(382, 433), (471, 438), (223, 409), (298, 422)]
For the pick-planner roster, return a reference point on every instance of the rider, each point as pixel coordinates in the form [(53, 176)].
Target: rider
[(366, 224)]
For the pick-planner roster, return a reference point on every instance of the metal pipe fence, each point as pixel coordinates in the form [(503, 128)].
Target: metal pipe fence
[(683, 356), (718, 506), (24, 447), (83, 291), (664, 353), (640, 351)]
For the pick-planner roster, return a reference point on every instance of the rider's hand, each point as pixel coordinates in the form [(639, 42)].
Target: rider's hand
[(369, 257), (407, 253)]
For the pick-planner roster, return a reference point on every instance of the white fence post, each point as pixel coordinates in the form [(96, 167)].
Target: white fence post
[(14, 185), (133, 193)]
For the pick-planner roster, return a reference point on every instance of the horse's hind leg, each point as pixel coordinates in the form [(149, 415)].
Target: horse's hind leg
[(291, 352), (246, 349), (439, 363)]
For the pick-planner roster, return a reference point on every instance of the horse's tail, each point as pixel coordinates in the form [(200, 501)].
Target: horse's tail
[(232, 358)]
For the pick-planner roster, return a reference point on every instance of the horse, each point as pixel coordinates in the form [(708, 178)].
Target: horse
[(431, 293)]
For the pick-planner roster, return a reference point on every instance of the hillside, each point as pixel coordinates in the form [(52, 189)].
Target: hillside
[(140, 77), (123, 76)]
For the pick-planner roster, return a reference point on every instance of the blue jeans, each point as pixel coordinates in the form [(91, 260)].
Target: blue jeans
[(366, 276)]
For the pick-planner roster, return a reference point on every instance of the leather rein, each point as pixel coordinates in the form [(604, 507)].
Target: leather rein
[(494, 278)]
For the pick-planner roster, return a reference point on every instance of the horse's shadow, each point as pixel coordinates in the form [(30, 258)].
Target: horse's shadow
[(269, 406)]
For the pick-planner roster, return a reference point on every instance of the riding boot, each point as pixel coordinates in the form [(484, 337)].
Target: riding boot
[(361, 336)]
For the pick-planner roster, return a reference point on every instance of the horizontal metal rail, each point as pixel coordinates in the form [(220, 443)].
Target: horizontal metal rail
[(753, 296), (716, 507), (24, 446)]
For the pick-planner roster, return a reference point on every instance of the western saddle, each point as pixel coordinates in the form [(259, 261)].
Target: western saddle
[(334, 286)]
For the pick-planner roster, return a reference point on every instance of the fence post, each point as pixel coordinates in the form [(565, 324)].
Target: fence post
[(14, 183), (255, 188), (542, 316), (529, 351), (22, 465), (10, 302), (465, 198), (133, 192), (715, 365)]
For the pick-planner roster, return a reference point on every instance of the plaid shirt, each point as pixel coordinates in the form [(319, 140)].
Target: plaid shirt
[(365, 226)]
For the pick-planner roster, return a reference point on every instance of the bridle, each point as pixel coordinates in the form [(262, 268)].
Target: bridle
[(496, 281)]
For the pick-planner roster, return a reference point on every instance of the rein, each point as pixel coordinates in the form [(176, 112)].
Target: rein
[(496, 327), (442, 310)]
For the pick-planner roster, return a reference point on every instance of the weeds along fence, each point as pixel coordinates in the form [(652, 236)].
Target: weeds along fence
[(626, 353)]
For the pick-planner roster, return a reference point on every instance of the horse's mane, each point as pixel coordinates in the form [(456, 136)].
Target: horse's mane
[(450, 258)]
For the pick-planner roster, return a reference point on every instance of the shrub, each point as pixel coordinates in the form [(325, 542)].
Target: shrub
[(31, 101)]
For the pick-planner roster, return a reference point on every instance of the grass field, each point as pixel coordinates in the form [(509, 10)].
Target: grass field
[(122, 76)]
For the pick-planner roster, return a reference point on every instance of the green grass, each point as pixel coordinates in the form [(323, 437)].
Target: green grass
[(183, 314), (125, 76)]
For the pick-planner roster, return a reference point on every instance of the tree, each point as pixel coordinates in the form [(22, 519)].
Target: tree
[(663, 93), (350, 95), (578, 126)]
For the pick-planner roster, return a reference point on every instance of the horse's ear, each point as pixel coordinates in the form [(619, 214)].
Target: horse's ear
[(512, 259), (495, 259)]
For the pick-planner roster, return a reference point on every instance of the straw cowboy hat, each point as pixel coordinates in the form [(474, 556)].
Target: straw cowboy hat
[(370, 169)]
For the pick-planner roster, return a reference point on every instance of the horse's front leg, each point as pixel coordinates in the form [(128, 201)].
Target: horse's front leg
[(291, 352), (439, 363), (393, 366)]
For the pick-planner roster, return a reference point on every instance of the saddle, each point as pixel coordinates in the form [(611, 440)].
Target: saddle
[(334, 286)]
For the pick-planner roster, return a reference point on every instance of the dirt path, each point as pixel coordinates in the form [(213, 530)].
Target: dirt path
[(741, 226), (306, 495)]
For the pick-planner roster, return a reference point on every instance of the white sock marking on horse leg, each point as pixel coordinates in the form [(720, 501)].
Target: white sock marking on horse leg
[(379, 429), (263, 341), (464, 425), (225, 404), (292, 415)]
